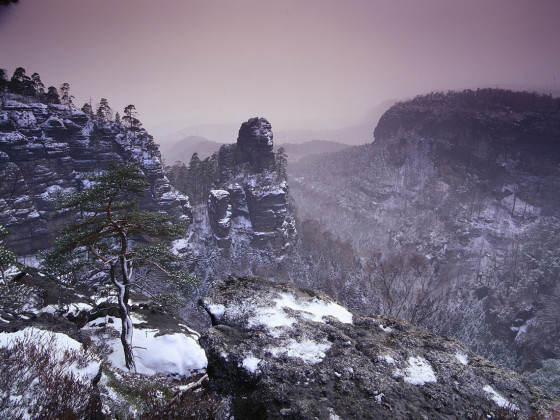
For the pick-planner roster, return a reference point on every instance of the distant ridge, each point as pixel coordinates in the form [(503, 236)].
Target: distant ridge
[(183, 149)]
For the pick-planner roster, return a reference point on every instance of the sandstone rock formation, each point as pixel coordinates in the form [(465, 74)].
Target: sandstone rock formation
[(252, 196), (468, 181), (255, 144), (282, 352), (49, 150)]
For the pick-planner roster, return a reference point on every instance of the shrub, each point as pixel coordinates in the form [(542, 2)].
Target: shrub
[(38, 379)]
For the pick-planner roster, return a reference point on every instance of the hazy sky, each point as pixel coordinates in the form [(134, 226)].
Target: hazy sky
[(301, 64)]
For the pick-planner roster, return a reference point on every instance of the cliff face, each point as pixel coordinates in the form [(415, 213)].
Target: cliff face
[(467, 183), (49, 150), (499, 141), (252, 197)]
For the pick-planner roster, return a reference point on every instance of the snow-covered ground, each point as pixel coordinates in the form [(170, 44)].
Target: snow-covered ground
[(168, 354)]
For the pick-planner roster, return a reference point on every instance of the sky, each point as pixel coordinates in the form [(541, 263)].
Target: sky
[(302, 64)]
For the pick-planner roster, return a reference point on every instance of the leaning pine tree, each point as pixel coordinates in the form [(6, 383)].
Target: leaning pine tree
[(113, 234)]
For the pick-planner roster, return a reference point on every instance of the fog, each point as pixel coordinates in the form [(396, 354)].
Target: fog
[(314, 65)]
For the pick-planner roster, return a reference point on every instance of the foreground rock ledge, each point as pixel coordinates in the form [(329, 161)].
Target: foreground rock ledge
[(278, 351)]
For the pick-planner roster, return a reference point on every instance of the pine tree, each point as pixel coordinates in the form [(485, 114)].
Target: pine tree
[(21, 83), (38, 86), (207, 176), (281, 164), (66, 98), (103, 238), (86, 109), (130, 118), (52, 96), (104, 111)]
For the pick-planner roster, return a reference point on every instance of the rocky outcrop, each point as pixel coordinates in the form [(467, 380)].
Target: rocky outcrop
[(282, 352), (219, 213), (491, 133), (49, 150), (252, 196), (255, 144)]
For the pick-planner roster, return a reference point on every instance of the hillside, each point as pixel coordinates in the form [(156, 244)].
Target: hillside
[(182, 150), (459, 192)]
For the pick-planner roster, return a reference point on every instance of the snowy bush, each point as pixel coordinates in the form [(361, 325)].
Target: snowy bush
[(45, 375)]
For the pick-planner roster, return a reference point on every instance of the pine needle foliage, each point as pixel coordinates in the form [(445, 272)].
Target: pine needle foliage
[(112, 233)]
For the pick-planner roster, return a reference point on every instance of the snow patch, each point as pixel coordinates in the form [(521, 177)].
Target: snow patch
[(168, 354), (386, 329), (307, 350), (462, 358), (387, 358), (498, 399), (179, 245), (216, 310), (75, 308), (219, 194), (316, 310), (418, 372), (251, 363)]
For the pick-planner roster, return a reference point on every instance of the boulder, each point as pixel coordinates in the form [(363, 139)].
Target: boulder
[(279, 351)]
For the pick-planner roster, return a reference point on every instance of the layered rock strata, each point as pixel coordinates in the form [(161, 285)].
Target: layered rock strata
[(49, 150), (252, 197)]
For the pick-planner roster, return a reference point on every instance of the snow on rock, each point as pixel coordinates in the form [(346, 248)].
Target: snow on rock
[(217, 311), (219, 194), (462, 358), (10, 104), (309, 351), (279, 315), (169, 354), (388, 359), (498, 399), (51, 149), (250, 363), (278, 349), (179, 245), (173, 354), (418, 372), (75, 308), (386, 329)]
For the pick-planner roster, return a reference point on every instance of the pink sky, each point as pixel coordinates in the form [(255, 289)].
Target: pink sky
[(302, 64)]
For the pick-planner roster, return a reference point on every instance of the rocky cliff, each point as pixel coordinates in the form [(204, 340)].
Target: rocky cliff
[(251, 198), (49, 150), (282, 352), (459, 196)]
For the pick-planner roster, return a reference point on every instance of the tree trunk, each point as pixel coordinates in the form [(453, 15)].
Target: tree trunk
[(126, 322)]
